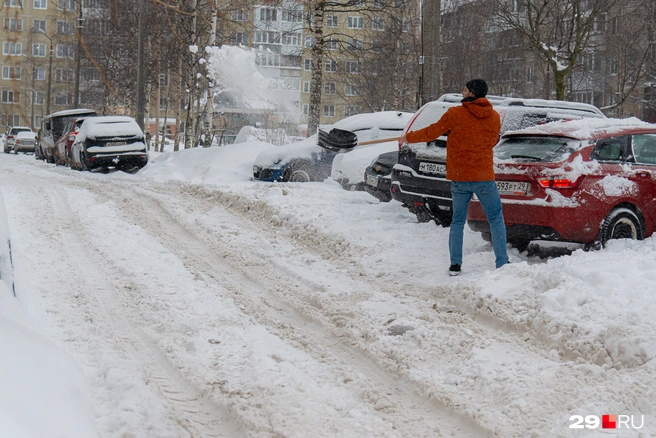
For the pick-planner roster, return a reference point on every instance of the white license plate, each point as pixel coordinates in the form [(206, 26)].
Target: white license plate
[(371, 181), (433, 168), (115, 143), (512, 187)]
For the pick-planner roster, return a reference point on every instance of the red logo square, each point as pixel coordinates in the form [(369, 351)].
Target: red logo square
[(608, 421)]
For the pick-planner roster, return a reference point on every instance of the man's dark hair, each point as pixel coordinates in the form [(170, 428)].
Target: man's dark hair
[(478, 87)]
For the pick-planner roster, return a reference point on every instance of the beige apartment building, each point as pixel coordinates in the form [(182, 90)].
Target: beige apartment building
[(38, 59)]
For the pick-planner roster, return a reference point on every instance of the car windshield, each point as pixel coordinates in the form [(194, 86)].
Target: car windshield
[(545, 149)]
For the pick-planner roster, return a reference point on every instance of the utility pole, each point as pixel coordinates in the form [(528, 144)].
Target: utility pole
[(141, 74), (41, 31), (431, 50)]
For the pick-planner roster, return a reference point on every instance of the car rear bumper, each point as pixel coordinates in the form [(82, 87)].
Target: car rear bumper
[(124, 159), (410, 188), (378, 186), (540, 222), (23, 148)]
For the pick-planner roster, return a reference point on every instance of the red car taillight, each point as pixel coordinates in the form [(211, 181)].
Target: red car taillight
[(559, 183), (9, 137)]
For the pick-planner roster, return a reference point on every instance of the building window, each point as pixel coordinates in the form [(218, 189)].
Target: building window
[(613, 67), (351, 90), (64, 28), (353, 67), (307, 64), (292, 15), (614, 25), (309, 41), (39, 50), (14, 24), (402, 4), (237, 38), (39, 26), (331, 66), (380, 4), (238, 16), (353, 44), (12, 48), (600, 23), (61, 99), (268, 14), (65, 51), (329, 110), (14, 3), (292, 39), (332, 43), (163, 103), (351, 111), (529, 74), (306, 109), (38, 97), (68, 5), (10, 96), (40, 4), (377, 23), (355, 23), (64, 75), (332, 21), (11, 72), (329, 88), (306, 87), (39, 73)]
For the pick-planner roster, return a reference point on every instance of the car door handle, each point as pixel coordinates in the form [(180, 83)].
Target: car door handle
[(643, 173)]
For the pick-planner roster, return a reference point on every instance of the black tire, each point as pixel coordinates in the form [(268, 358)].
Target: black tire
[(299, 174), (621, 223)]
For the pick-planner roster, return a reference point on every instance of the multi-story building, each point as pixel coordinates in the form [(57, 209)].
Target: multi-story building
[(372, 59), (38, 59)]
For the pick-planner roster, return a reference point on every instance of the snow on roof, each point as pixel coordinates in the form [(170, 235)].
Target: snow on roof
[(588, 128), (26, 134), (387, 120), (105, 126), (71, 112)]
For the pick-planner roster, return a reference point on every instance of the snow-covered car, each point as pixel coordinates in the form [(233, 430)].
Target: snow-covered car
[(10, 136), (106, 142), (64, 144), (52, 127), (585, 181), (24, 141), (305, 160)]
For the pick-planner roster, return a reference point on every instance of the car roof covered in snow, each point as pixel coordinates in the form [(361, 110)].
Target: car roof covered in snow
[(106, 126), (588, 128), (71, 112), (386, 120), (26, 134)]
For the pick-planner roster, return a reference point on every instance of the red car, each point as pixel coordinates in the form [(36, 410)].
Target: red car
[(65, 142), (584, 181)]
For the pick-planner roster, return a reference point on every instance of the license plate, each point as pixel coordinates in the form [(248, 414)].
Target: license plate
[(371, 181), (433, 168), (115, 143), (512, 187)]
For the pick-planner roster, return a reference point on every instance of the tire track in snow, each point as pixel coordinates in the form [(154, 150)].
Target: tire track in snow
[(289, 317), (191, 408)]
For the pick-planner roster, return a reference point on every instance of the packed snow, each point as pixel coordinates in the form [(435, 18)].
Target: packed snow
[(189, 300)]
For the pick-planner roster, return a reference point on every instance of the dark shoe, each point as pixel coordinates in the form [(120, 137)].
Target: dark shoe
[(454, 270)]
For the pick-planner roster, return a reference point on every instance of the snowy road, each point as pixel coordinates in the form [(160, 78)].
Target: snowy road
[(199, 311)]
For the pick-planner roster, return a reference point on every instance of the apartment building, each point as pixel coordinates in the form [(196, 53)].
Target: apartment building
[(372, 58), (38, 59)]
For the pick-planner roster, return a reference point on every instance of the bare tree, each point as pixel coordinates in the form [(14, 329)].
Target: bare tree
[(557, 31)]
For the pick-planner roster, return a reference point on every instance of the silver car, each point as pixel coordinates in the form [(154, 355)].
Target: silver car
[(24, 141), (10, 135)]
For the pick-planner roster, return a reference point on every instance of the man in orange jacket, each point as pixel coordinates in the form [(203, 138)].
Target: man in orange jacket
[(473, 130)]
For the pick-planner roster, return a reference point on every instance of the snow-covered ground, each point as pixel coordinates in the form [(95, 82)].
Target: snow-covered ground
[(189, 301)]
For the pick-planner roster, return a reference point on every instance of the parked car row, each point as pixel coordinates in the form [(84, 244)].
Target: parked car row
[(564, 171), (81, 139)]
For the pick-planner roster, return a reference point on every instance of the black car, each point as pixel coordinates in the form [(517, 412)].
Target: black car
[(109, 142), (377, 179), (419, 178)]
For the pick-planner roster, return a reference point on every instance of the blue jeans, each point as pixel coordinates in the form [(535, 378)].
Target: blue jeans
[(488, 196)]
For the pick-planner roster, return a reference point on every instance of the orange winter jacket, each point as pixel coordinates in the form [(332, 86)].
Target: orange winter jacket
[(473, 130)]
